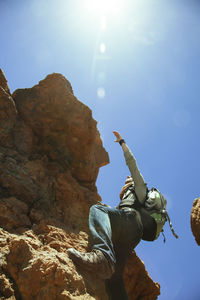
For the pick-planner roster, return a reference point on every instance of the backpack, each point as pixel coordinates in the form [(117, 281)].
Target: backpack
[(156, 204)]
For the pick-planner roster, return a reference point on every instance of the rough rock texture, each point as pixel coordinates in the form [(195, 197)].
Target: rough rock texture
[(195, 220), (50, 155)]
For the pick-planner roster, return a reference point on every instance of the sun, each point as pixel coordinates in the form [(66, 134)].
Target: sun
[(104, 7)]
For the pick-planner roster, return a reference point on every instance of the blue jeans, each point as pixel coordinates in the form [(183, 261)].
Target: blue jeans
[(116, 233)]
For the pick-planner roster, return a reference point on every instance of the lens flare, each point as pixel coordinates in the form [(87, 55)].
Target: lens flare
[(102, 48), (101, 93)]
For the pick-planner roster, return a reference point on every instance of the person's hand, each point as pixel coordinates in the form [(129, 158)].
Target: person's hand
[(118, 136), (129, 179), (128, 183)]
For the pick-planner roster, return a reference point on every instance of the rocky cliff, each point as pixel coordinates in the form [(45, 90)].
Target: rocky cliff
[(50, 155), (195, 220)]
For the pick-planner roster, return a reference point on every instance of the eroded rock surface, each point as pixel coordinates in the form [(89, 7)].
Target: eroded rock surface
[(50, 155), (195, 220)]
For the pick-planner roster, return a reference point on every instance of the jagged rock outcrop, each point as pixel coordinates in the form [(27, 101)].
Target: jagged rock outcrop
[(195, 220), (50, 155)]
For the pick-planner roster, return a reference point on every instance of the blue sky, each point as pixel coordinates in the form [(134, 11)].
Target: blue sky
[(136, 65)]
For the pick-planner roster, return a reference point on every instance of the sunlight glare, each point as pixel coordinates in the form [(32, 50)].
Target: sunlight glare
[(102, 48), (104, 7), (101, 93), (103, 23)]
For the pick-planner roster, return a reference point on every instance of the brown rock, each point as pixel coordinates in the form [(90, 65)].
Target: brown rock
[(13, 214), (3, 82), (195, 220), (62, 123), (139, 284), (50, 156), (8, 112)]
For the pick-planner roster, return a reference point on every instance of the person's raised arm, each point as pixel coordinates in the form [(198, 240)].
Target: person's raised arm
[(140, 185)]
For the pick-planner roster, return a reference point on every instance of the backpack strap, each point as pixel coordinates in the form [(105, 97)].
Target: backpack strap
[(164, 238), (170, 225)]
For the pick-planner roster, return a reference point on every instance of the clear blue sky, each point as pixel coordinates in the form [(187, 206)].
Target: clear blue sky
[(137, 66)]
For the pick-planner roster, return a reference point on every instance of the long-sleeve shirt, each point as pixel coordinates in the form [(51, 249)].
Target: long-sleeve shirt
[(140, 185)]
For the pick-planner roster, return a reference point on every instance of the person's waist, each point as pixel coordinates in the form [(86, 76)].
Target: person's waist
[(134, 212), (127, 207)]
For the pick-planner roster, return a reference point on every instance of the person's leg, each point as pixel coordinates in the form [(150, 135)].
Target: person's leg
[(126, 232), (100, 230), (114, 234), (102, 257), (125, 239), (115, 289)]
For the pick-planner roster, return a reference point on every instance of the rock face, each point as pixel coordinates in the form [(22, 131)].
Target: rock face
[(195, 220), (50, 155)]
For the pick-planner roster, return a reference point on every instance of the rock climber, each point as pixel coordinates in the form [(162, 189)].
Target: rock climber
[(115, 232)]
